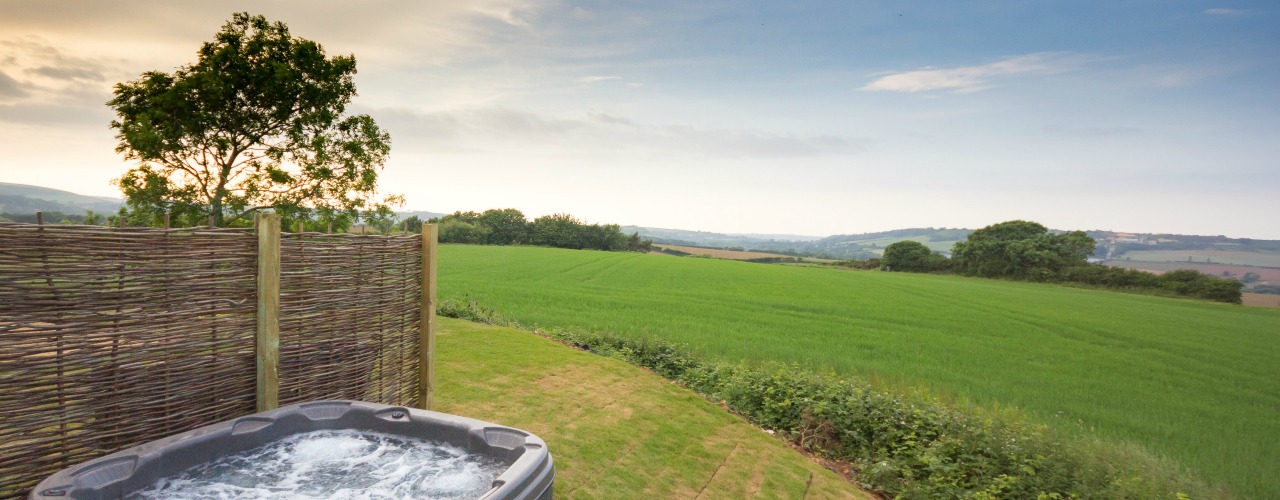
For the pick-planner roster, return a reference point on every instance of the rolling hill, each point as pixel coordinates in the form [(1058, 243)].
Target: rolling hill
[(27, 199)]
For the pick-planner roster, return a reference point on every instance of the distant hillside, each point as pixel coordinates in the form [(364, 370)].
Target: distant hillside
[(854, 246), (1173, 247), (708, 239), (422, 214), (25, 200)]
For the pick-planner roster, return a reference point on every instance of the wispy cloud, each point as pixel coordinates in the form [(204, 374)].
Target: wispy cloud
[(10, 87), (1091, 131), (37, 73), (595, 79), (1223, 12), (478, 130), (968, 79), (69, 73), (507, 14)]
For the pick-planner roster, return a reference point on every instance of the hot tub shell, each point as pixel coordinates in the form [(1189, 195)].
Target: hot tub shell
[(530, 475)]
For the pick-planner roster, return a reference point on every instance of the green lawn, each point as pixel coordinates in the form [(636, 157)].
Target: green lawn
[(1195, 380), (614, 430)]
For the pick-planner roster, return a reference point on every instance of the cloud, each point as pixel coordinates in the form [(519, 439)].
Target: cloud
[(56, 115), (970, 79), (582, 14), (10, 87), (487, 130), (50, 72), (594, 79), (611, 119), (508, 15), (1091, 131), (69, 73), (1223, 12)]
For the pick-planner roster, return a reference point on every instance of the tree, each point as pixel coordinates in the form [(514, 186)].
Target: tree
[(412, 225), (382, 216), (468, 217), (557, 230), (1020, 249), (912, 256), (637, 244), (506, 226), (94, 219), (257, 122), (608, 237), (1196, 284), (461, 231)]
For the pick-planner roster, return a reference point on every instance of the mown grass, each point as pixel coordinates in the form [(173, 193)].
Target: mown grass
[(1193, 380), (614, 430)]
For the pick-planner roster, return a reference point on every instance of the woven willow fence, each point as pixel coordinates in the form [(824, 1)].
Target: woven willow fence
[(114, 337)]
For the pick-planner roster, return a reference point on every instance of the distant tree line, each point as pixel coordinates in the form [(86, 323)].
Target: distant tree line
[(509, 226), (381, 218), (50, 217), (1028, 251)]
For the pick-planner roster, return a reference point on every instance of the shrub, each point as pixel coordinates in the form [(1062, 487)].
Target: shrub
[(913, 256), (1196, 284)]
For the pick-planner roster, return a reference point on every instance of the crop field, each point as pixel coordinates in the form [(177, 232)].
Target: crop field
[(1197, 381), (1261, 300), (1260, 259), (721, 253)]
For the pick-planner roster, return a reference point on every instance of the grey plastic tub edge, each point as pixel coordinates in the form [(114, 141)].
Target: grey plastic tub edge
[(530, 476)]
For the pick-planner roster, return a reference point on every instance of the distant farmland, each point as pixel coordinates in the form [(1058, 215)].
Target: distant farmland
[(1261, 300), (721, 253), (1195, 380), (1259, 259)]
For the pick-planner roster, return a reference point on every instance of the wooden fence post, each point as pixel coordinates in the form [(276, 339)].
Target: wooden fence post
[(268, 338), (427, 310)]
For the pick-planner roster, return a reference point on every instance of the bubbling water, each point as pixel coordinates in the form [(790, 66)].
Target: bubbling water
[(336, 464)]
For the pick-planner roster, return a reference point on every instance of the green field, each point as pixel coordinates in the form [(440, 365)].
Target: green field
[(1194, 380)]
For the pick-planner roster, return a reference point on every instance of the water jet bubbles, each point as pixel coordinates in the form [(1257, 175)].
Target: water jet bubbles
[(336, 464)]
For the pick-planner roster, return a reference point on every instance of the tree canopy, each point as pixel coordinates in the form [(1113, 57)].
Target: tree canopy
[(508, 226), (913, 256), (258, 121), (1020, 249)]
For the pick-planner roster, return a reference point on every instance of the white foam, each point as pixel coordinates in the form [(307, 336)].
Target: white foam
[(338, 464)]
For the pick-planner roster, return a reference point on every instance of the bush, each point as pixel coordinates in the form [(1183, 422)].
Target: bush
[(1193, 283), (913, 256)]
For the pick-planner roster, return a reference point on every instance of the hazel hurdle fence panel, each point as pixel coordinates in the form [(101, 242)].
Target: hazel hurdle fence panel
[(111, 337)]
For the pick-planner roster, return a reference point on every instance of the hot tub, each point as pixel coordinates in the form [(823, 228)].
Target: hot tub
[(148, 469)]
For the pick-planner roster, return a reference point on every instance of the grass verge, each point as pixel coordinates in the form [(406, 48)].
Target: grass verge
[(614, 430)]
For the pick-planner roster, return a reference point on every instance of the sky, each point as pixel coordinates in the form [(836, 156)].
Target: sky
[(811, 118)]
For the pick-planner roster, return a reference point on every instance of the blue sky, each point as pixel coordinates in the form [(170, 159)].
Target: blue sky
[(809, 117)]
